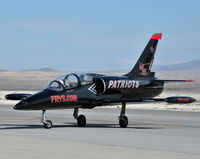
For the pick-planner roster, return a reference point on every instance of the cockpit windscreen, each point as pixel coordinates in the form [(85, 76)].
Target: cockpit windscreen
[(70, 81)]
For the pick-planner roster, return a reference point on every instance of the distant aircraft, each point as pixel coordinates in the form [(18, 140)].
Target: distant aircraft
[(74, 91)]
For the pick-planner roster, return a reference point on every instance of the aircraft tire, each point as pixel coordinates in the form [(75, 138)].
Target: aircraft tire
[(48, 124), (123, 122), (81, 121)]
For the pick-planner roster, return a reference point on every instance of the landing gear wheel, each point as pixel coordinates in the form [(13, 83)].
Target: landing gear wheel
[(123, 121), (48, 124), (81, 121)]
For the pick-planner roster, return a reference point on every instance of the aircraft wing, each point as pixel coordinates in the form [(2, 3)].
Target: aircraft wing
[(17, 96), (168, 80), (172, 100)]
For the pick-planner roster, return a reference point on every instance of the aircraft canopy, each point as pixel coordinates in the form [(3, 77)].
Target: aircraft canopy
[(70, 81)]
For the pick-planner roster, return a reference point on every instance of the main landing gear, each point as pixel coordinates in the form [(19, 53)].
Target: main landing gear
[(123, 119), (47, 123), (81, 120)]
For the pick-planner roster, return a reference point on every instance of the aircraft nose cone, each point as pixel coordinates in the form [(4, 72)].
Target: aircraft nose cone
[(20, 106), (34, 102)]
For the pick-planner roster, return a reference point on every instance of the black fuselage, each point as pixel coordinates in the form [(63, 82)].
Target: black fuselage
[(83, 96)]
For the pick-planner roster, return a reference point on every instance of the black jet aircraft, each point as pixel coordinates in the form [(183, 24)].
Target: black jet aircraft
[(74, 91)]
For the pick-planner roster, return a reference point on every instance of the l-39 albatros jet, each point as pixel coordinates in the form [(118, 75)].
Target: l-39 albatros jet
[(74, 91)]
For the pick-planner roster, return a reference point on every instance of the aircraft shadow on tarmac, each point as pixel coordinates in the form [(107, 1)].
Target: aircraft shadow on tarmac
[(71, 125)]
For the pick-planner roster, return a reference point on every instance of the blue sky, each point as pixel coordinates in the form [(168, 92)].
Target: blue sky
[(87, 35)]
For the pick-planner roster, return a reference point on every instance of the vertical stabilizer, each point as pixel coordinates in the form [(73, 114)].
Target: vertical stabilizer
[(143, 66)]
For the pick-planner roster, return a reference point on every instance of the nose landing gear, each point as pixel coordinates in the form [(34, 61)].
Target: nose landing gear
[(47, 123)]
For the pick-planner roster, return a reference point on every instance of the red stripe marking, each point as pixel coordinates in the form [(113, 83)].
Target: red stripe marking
[(156, 36), (190, 81)]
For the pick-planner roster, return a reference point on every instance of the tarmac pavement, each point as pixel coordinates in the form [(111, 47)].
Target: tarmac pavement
[(150, 134)]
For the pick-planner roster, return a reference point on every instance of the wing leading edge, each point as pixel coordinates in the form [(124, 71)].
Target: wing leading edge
[(169, 80), (172, 100)]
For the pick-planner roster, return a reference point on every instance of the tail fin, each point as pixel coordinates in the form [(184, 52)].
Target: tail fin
[(143, 66)]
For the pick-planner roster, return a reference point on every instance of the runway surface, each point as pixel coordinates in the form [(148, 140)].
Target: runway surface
[(152, 134)]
